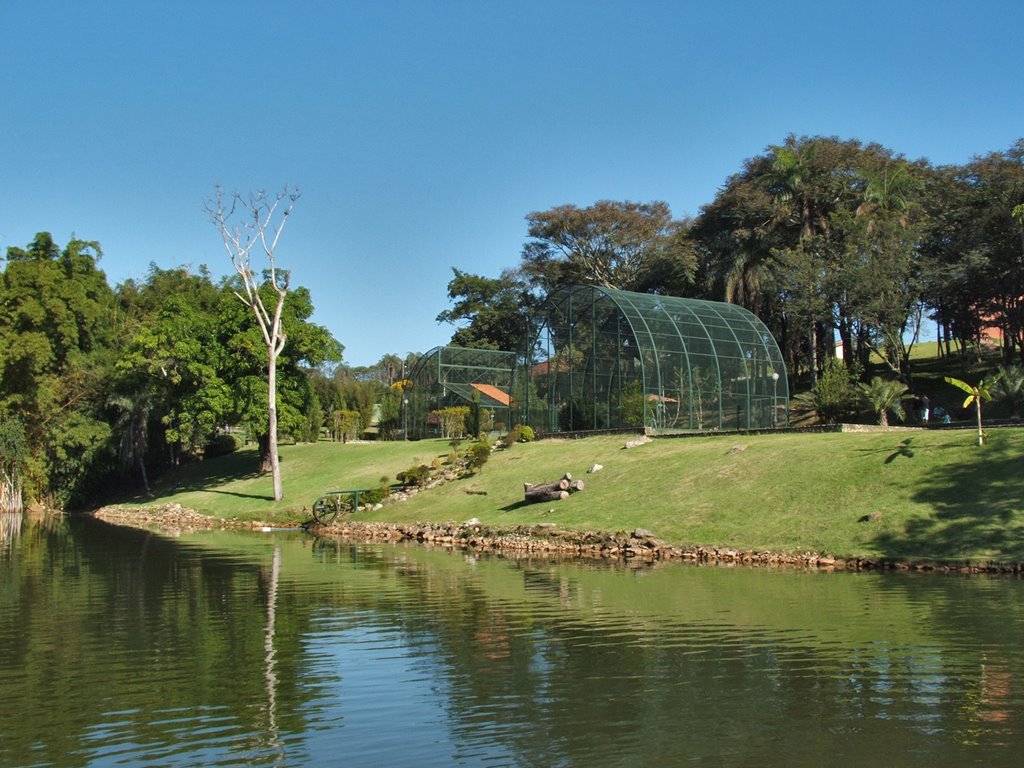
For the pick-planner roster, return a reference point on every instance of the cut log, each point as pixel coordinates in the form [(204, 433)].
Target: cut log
[(552, 491), (561, 485)]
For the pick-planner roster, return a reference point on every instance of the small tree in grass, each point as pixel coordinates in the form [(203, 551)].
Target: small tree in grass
[(477, 455), (975, 395), (884, 395)]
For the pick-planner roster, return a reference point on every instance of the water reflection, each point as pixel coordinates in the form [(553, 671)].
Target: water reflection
[(10, 528), (127, 648)]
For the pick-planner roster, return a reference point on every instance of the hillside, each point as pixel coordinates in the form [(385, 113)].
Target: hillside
[(930, 494)]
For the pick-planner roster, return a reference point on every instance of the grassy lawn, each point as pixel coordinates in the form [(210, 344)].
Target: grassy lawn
[(937, 495), (228, 486)]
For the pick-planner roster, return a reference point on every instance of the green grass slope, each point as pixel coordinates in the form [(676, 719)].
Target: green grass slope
[(933, 495)]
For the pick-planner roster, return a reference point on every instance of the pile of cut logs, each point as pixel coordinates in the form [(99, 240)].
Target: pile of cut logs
[(552, 491)]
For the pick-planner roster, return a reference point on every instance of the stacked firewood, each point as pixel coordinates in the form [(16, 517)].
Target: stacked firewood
[(559, 489)]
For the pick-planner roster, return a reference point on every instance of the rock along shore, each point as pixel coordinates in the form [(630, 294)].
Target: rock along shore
[(546, 539)]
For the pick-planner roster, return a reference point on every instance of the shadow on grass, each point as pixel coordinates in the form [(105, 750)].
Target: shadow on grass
[(514, 506), (212, 474), (904, 450), (234, 493), (977, 511)]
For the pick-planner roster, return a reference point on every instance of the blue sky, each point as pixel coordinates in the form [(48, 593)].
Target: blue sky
[(422, 133)]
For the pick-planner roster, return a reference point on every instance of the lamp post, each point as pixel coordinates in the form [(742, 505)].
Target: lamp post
[(775, 399)]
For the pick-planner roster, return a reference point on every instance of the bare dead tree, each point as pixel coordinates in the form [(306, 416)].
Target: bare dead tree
[(255, 223)]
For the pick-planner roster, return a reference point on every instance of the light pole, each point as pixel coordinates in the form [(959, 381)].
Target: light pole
[(775, 399)]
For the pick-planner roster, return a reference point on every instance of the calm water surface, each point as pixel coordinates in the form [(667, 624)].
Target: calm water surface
[(119, 647)]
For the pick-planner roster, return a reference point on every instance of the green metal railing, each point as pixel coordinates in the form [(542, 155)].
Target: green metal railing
[(332, 503)]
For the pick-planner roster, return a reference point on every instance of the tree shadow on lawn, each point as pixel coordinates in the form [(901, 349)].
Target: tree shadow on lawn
[(515, 505), (235, 493), (977, 506), (210, 474), (904, 449)]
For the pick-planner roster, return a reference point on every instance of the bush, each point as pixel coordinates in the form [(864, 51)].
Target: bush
[(222, 445), (1009, 390), (373, 496), (524, 434), (477, 455), (836, 397), (519, 434), (418, 475)]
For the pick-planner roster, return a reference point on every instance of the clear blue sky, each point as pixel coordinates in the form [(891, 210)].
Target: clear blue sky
[(421, 133)]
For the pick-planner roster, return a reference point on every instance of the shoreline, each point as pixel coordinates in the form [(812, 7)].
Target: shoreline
[(546, 539)]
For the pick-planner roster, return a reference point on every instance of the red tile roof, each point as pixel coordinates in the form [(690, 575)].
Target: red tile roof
[(493, 392)]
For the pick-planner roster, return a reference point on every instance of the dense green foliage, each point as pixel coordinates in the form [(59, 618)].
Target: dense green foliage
[(821, 238), (110, 384)]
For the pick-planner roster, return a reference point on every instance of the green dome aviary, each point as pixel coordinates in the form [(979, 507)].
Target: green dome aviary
[(605, 358)]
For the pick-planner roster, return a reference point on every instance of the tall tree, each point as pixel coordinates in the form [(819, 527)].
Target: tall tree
[(493, 312), (996, 239), (879, 277), (951, 271), (174, 359), (56, 337), (605, 244), (246, 224), (810, 179)]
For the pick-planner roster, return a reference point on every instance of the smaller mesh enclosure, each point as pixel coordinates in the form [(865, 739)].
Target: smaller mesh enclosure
[(607, 359), (480, 379)]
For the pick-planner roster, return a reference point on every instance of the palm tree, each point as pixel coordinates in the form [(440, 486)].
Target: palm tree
[(798, 181), (884, 395), (791, 181), (888, 188), (1010, 388), (975, 395), (133, 423)]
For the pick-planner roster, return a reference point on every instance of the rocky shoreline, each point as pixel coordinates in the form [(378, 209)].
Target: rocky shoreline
[(546, 539)]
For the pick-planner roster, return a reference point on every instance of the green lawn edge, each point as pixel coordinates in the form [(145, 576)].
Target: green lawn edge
[(923, 495)]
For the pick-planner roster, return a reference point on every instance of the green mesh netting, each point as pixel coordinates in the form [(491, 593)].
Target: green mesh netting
[(457, 376), (605, 358)]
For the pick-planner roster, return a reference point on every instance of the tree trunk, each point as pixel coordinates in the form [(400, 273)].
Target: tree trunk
[(977, 410), (142, 469), (263, 443), (275, 464), (814, 352)]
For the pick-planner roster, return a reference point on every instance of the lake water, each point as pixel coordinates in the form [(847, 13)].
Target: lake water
[(121, 647)]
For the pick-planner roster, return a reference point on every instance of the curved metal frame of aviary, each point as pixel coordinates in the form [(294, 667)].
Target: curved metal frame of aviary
[(605, 359), (453, 376)]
